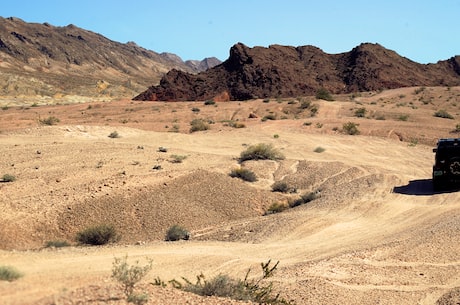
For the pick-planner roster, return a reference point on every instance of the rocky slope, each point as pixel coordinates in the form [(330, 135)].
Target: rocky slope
[(285, 71), (42, 59)]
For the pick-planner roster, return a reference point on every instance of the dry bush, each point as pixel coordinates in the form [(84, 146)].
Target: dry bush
[(244, 174), (98, 235), (261, 151), (176, 233)]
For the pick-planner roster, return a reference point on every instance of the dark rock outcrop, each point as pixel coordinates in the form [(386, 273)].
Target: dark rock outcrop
[(285, 71)]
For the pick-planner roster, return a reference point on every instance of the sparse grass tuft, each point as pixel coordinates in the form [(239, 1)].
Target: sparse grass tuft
[(244, 174), (177, 158), (9, 273), (261, 151), (176, 233), (276, 207), (305, 198), (281, 187), (98, 235), (51, 120), (56, 244)]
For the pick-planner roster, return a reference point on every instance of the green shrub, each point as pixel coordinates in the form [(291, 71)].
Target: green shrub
[(56, 244), (209, 102), (256, 290), (8, 178), (305, 198), (199, 125), (114, 135), (9, 273), (270, 116), (51, 120), (403, 117), (176, 233), (323, 94), (281, 187), (350, 128), (128, 276), (244, 174), (98, 235), (360, 112), (319, 149), (443, 114), (261, 151), (196, 110)]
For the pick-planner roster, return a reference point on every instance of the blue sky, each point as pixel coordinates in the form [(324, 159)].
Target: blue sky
[(424, 31)]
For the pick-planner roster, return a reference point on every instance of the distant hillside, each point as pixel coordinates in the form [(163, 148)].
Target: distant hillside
[(285, 71), (41, 59)]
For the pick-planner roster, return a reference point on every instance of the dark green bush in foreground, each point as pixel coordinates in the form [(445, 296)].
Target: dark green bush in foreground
[(8, 273)]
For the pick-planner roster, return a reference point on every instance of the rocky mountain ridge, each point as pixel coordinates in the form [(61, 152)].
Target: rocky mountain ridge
[(42, 59), (286, 71)]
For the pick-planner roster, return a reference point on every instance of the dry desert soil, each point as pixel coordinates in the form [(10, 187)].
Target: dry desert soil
[(377, 233)]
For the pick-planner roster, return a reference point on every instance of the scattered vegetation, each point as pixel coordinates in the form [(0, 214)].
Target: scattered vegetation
[(261, 151), (305, 198), (8, 178), (209, 102), (9, 273), (176, 233), (114, 135), (257, 290), (244, 174), (324, 94), (350, 128), (360, 112), (57, 244), (51, 120), (276, 207), (281, 187), (199, 125), (98, 235), (269, 116), (443, 114), (177, 158), (196, 110), (128, 276), (403, 117)]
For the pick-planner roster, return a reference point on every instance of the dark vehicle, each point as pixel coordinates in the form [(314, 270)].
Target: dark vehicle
[(446, 168)]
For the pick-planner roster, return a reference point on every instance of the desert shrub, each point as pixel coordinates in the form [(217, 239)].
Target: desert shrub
[(350, 128), (304, 104), (443, 114), (256, 290), (319, 149), (199, 125), (276, 207), (270, 116), (128, 276), (8, 178), (266, 100), (176, 233), (281, 187), (403, 117), (9, 273), (305, 198), (244, 174), (209, 102), (324, 94), (51, 120), (98, 235), (236, 124), (196, 110), (360, 112), (56, 244), (162, 149), (261, 151), (114, 135), (177, 158)]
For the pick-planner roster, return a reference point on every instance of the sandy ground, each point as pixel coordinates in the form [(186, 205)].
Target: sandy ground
[(377, 234)]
